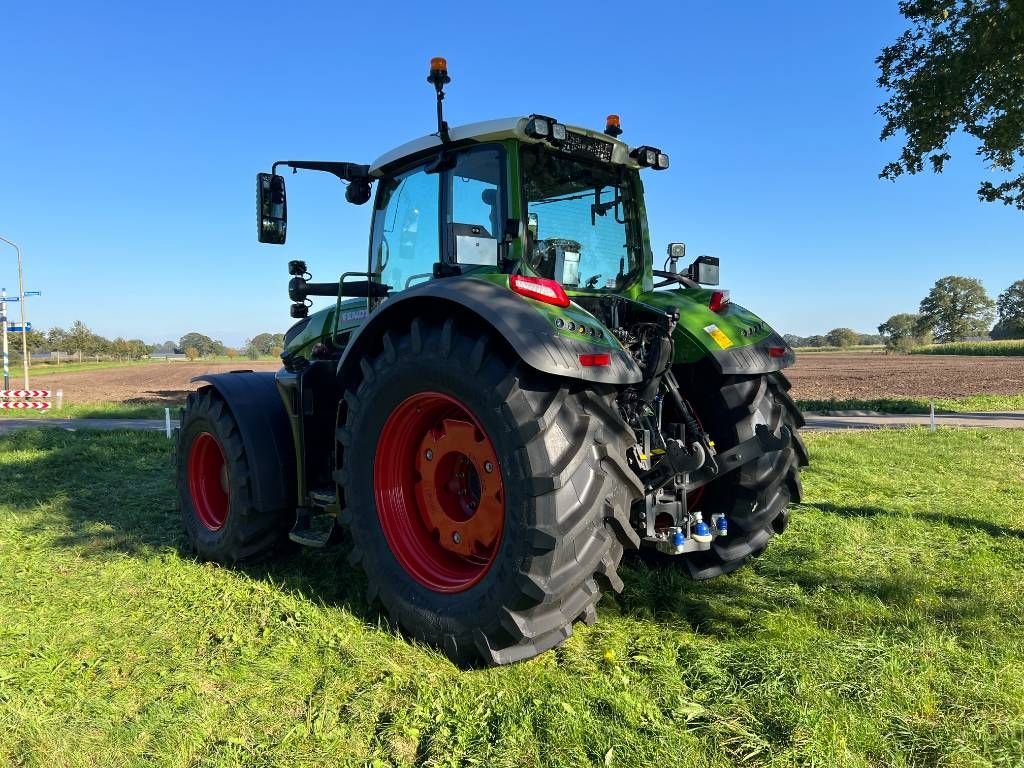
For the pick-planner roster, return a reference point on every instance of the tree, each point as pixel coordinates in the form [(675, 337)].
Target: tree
[(167, 348), (956, 308), (191, 353), (842, 337), (204, 345), (958, 68), (902, 332), (264, 344), (1011, 313)]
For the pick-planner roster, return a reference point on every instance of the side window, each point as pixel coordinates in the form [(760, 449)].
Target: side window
[(476, 215), (406, 242)]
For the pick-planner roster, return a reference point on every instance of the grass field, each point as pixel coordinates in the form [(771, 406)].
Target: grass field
[(48, 369), (969, 404), (884, 628), (93, 411), (1008, 348)]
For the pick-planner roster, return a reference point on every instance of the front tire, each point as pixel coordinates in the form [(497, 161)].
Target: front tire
[(755, 498), (449, 433), (215, 495)]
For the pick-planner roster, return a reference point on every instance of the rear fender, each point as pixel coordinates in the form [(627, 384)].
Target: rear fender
[(734, 339), (528, 326), (256, 405)]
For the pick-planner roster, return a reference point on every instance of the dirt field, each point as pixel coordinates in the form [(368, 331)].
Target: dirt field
[(153, 383), (815, 377), (826, 375)]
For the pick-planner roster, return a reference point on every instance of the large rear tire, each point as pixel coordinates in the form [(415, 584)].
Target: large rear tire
[(482, 497), (756, 497), (215, 494)]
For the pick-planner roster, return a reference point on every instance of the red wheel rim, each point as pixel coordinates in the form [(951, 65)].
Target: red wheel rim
[(439, 494), (208, 481)]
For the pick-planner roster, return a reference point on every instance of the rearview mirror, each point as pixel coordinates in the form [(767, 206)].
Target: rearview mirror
[(271, 209), (704, 270)]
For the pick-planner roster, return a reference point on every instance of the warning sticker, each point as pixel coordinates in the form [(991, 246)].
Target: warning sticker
[(718, 335)]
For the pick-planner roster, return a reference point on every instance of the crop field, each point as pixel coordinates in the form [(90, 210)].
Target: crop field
[(982, 348), (885, 628), (906, 383), (136, 390), (821, 381)]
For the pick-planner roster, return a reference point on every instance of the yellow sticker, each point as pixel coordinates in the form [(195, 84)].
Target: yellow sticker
[(718, 335)]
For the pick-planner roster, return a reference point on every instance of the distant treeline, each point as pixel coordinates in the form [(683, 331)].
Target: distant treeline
[(79, 340)]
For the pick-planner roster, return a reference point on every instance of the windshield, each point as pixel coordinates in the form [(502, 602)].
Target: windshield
[(579, 221)]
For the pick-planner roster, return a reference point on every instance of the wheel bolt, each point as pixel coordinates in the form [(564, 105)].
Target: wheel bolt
[(456, 537), (430, 455), (488, 467)]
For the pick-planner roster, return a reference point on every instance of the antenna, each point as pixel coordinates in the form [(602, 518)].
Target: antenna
[(439, 78)]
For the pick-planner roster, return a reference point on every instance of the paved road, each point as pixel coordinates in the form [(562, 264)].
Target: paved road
[(1007, 419)]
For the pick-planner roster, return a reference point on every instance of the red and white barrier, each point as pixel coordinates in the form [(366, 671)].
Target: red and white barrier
[(30, 399)]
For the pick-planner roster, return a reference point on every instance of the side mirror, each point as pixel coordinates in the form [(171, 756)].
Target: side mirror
[(271, 209), (704, 270)]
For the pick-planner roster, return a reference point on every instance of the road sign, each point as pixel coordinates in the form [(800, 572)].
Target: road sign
[(24, 405), (17, 328), (33, 293), (11, 299), (25, 393)]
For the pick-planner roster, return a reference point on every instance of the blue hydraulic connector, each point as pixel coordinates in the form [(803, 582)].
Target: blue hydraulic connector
[(678, 539), (701, 531), (721, 524)]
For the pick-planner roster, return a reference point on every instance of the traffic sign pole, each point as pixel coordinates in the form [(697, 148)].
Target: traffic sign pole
[(3, 323)]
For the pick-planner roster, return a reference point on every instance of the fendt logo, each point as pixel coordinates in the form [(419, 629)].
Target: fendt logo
[(752, 330)]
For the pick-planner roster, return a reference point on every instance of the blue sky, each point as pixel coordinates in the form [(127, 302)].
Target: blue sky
[(131, 132)]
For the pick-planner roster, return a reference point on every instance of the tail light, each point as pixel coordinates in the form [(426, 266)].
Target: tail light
[(776, 351), (539, 288), (719, 301), (595, 359)]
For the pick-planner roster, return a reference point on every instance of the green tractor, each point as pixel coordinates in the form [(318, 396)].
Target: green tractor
[(509, 397)]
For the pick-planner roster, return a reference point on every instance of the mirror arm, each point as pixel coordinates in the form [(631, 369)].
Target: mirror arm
[(344, 171)]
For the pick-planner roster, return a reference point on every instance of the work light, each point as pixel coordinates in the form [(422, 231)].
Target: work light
[(650, 157), (538, 127)]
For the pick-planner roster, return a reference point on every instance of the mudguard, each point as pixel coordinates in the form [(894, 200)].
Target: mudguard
[(735, 339), (530, 327), (256, 404)]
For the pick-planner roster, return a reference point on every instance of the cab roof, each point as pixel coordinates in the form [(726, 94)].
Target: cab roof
[(492, 130)]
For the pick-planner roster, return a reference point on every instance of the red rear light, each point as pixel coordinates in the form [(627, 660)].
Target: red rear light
[(776, 351), (539, 288), (597, 358), (719, 300)]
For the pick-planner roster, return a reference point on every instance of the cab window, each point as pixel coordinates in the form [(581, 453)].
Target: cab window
[(406, 242), (476, 210)]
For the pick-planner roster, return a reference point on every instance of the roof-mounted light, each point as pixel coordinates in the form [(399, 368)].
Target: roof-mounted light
[(650, 157), (547, 128), (613, 126)]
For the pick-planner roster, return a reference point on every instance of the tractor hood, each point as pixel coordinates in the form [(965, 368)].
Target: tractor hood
[(734, 337)]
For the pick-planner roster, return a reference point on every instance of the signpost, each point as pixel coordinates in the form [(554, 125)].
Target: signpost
[(24, 333)]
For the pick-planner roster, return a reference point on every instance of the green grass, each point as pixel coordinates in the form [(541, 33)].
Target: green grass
[(1011, 347), (883, 629), (969, 404), (95, 411), (49, 369)]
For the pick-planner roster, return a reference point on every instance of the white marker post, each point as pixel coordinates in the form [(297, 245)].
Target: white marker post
[(931, 420), (167, 422)]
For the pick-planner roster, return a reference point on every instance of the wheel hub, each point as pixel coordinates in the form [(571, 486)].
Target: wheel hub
[(208, 481), (460, 499), (438, 491)]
